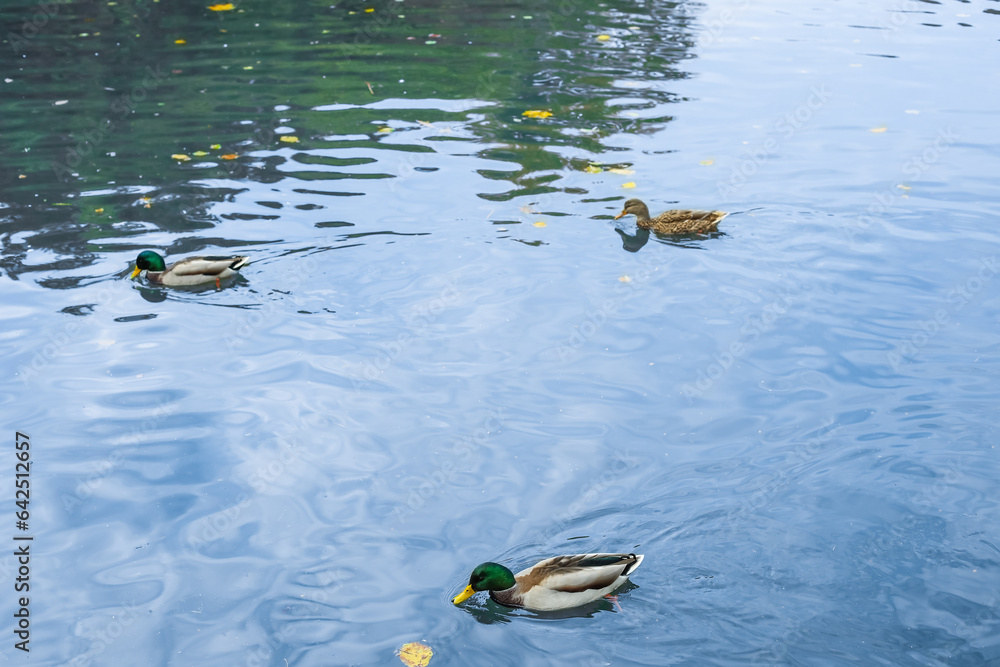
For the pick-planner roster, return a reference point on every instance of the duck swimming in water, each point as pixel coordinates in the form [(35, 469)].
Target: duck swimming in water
[(673, 222)]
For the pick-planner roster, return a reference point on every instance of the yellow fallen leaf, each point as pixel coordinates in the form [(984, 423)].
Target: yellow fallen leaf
[(592, 169), (229, 156), (181, 157), (384, 130), (98, 210), (21, 176), (623, 172), (248, 67), (199, 154), (904, 187), (603, 38), (624, 279), (222, 7), (537, 113), (180, 41), (707, 163), (538, 224), (215, 147), (879, 129), (415, 654), (288, 139), (370, 10), (630, 184)]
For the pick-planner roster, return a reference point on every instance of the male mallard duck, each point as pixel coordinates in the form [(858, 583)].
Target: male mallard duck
[(556, 583), (673, 222), (189, 271)]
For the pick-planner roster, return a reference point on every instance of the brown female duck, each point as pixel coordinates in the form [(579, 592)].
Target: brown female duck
[(673, 222)]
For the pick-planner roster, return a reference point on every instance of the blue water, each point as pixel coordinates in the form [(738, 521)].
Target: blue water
[(794, 420)]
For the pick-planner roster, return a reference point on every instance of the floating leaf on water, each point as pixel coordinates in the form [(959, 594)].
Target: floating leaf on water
[(538, 224), (904, 187), (215, 147), (199, 154), (370, 10), (415, 654), (537, 113), (883, 128), (623, 172), (624, 279), (707, 163), (98, 210), (289, 139), (180, 157), (180, 41), (592, 169), (603, 38), (229, 156), (222, 7), (384, 130), (430, 41), (248, 67), (630, 184)]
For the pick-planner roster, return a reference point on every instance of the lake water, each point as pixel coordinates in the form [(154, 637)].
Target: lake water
[(446, 350)]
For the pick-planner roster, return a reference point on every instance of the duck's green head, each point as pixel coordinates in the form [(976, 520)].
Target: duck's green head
[(148, 261), (487, 577)]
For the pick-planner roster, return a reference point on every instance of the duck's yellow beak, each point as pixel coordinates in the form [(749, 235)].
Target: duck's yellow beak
[(135, 273), (464, 595), (619, 215)]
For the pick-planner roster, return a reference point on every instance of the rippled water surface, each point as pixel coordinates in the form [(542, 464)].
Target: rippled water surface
[(446, 350)]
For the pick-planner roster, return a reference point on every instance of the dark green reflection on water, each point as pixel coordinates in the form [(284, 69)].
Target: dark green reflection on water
[(98, 97)]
